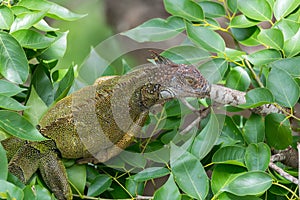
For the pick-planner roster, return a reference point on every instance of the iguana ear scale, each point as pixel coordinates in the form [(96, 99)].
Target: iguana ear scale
[(161, 60)]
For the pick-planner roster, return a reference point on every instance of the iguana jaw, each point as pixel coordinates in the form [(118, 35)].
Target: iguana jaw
[(171, 93)]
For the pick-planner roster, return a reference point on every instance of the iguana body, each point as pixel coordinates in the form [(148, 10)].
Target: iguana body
[(97, 122)]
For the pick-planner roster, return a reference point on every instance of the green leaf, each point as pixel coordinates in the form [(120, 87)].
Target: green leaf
[(18, 126), (271, 37), (230, 155), (169, 191), (36, 109), (232, 5), (257, 97), (214, 70), (44, 26), (254, 129), (283, 8), (256, 9), (206, 139), (292, 45), (189, 173), (27, 20), (238, 79), (278, 131), (3, 163), (186, 54), (205, 38), (231, 134), (9, 190), (283, 87), (249, 183), (41, 193), (222, 175), (212, 9), (53, 10), (43, 84), (77, 177), (186, 9), (58, 47), (6, 17), (9, 89), (134, 159), (134, 187), (252, 40), (10, 103), (242, 34), (263, 57), (288, 28), (32, 40), (13, 62), (156, 30), (100, 184), (241, 21), (151, 173), (257, 157), (65, 84), (289, 64), (232, 54)]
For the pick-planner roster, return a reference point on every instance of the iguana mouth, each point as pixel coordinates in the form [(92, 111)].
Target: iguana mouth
[(167, 94)]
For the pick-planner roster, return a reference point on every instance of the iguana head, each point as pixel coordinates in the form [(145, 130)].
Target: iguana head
[(179, 80)]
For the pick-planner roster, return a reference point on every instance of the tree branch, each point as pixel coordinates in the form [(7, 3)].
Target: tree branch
[(224, 95)]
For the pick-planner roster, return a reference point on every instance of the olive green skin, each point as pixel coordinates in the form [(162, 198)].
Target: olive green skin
[(97, 122)]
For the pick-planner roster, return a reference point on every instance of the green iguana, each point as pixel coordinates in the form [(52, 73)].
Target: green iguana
[(97, 122)]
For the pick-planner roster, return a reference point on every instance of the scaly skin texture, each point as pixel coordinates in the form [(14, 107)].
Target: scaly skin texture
[(97, 122)]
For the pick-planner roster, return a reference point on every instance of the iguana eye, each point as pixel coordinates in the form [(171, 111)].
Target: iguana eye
[(191, 81)]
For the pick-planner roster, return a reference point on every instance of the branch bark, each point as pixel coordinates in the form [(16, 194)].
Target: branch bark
[(224, 95)]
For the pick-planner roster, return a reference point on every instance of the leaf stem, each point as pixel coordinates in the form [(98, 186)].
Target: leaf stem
[(286, 188), (248, 65)]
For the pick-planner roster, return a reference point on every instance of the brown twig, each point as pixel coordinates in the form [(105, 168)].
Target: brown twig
[(224, 95), (283, 173)]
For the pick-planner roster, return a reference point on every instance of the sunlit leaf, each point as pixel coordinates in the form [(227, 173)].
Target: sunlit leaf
[(53, 10), (32, 39), (156, 29), (18, 126), (13, 61), (263, 57), (256, 9), (271, 37), (205, 38), (169, 191), (6, 17), (283, 8), (257, 157), (184, 8), (238, 79), (249, 183), (10, 103)]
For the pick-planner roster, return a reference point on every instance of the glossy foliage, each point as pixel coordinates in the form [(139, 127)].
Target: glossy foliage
[(224, 157)]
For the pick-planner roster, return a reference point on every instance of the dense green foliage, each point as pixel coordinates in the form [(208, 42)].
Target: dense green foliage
[(235, 151)]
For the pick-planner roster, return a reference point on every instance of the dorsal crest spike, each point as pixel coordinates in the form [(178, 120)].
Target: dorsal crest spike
[(161, 60)]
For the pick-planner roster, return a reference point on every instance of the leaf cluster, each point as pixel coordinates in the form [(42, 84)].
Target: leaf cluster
[(226, 158)]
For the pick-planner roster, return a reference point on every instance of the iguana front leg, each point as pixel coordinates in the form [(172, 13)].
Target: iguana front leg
[(55, 176), (41, 156)]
